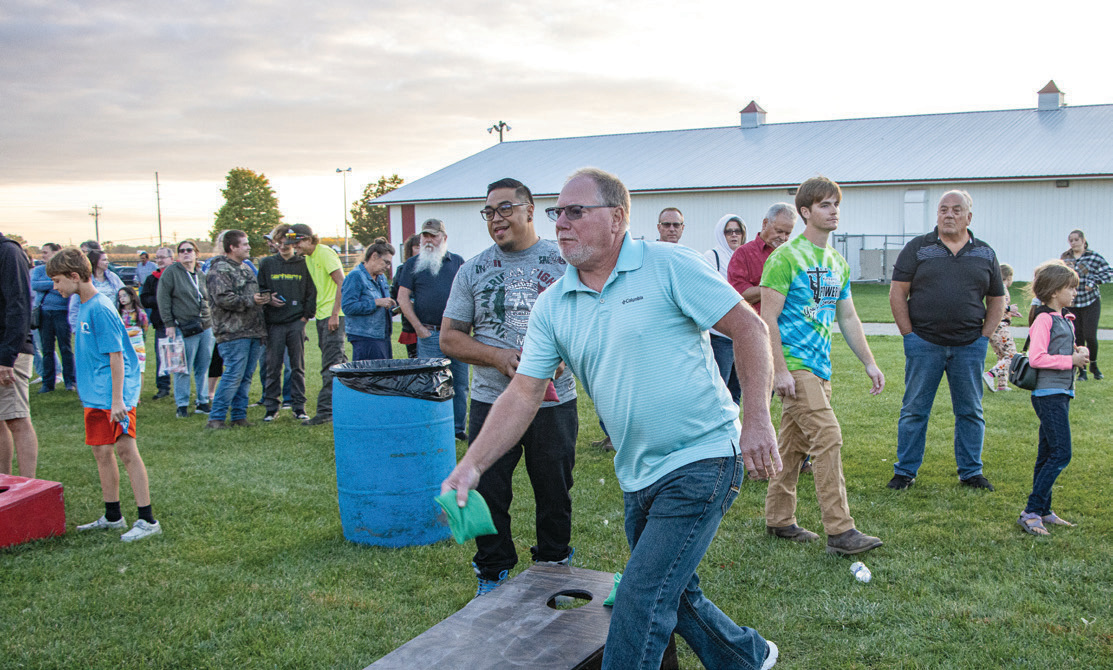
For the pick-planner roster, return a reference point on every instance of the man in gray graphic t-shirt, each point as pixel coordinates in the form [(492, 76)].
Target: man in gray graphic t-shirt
[(485, 325)]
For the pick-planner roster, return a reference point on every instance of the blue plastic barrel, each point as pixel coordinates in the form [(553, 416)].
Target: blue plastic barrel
[(393, 450)]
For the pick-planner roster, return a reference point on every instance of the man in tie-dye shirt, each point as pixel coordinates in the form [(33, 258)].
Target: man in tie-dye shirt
[(804, 287)]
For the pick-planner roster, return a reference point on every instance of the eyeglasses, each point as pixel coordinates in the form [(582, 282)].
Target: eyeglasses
[(187, 250), (571, 212), (670, 224), (732, 231), (504, 209)]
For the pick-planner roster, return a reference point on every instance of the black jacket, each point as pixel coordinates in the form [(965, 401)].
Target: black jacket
[(15, 303), (148, 297), (291, 281)]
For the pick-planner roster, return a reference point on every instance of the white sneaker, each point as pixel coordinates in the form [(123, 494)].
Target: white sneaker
[(36, 380), (771, 658), (140, 530), (105, 523), (990, 381)]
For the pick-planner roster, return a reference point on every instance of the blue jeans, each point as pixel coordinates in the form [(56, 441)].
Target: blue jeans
[(924, 365), (198, 355), (430, 347), (370, 348), (723, 348), (55, 328), (240, 357), (669, 526), (1054, 450)]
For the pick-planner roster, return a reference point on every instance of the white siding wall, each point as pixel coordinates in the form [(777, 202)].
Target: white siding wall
[(1025, 222)]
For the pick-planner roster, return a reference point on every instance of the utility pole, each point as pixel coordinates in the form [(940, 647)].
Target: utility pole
[(500, 127), (344, 176), (158, 204), (96, 221)]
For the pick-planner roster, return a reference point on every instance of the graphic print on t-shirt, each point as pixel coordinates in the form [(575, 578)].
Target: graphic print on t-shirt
[(509, 296)]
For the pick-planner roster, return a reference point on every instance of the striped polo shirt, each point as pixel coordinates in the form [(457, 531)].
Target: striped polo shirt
[(641, 349)]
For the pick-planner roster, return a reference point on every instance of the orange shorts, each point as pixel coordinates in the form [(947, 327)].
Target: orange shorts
[(101, 430)]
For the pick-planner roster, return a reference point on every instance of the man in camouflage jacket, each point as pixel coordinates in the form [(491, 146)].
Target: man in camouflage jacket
[(238, 325)]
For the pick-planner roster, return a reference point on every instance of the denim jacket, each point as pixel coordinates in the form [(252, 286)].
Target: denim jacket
[(357, 298)]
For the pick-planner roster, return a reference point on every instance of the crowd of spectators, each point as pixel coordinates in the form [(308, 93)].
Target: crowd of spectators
[(949, 299)]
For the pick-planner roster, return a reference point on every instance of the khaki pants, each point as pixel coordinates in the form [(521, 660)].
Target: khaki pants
[(809, 427)]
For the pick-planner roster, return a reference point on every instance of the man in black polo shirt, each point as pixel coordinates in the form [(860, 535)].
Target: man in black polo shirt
[(947, 297)]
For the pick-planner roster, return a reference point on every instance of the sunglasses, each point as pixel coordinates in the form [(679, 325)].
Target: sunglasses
[(571, 212), (732, 231), (504, 209), (187, 250)]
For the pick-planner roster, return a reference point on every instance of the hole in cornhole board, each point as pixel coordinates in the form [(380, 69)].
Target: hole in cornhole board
[(568, 599), (3, 488)]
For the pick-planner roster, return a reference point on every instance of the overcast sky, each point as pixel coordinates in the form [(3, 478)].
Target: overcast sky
[(98, 96)]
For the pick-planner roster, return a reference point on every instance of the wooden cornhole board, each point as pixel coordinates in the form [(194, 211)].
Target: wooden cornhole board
[(514, 627)]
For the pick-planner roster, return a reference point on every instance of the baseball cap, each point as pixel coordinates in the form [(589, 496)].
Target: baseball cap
[(142, 253), (433, 226), (300, 231)]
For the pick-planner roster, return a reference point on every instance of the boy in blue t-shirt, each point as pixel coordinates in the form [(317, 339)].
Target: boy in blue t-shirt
[(108, 382)]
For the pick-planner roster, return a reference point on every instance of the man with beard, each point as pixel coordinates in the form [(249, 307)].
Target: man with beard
[(630, 318), (422, 295), (494, 293)]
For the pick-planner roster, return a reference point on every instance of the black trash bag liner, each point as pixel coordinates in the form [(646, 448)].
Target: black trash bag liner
[(421, 378)]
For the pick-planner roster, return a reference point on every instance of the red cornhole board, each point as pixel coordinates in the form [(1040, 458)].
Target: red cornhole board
[(30, 509)]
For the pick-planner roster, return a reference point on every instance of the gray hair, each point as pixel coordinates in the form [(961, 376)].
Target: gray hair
[(966, 199), (611, 190), (780, 208), (218, 243)]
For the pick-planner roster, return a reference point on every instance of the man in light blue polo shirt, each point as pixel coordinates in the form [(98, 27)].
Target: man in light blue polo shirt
[(630, 319)]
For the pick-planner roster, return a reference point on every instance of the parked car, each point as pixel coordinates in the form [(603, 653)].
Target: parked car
[(127, 275)]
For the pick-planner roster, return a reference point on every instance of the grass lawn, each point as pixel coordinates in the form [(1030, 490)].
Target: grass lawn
[(872, 303), (252, 569)]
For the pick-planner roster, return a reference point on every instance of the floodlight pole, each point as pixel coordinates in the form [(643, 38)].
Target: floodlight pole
[(500, 127), (344, 177)]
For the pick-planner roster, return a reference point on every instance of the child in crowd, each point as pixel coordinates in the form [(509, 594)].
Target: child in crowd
[(108, 379), (1053, 354), (997, 377), (135, 323)]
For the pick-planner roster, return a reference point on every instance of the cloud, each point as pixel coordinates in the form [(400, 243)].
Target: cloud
[(118, 90)]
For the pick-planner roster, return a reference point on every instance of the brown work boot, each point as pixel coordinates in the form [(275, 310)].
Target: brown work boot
[(241, 423), (852, 541), (793, 532), (604, 444), (215, 424)]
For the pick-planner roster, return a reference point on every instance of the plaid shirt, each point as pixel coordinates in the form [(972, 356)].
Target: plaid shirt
[(1092, 271)]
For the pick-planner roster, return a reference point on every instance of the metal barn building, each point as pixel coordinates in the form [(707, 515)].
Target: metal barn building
[(1035, 175)]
